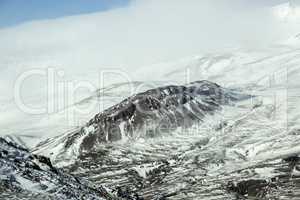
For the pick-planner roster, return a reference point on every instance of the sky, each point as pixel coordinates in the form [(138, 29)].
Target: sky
[(13, 12)]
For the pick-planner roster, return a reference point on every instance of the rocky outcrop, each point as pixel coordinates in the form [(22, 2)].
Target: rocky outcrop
[(155, 111), (26, 176)]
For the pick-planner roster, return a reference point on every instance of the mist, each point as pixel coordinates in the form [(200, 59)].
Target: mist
[(141, 34)]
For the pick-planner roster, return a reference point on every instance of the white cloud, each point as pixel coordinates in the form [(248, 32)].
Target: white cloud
[(143, 33)]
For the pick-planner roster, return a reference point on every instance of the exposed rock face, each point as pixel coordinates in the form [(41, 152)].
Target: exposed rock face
[(27, 176), (285, 182), (147, 114), (251, 188), (156, 111)]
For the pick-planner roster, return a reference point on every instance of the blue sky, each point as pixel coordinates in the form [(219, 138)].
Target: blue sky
[(13, 12)]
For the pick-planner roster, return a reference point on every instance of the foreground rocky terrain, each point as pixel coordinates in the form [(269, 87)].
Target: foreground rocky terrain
[(27, 176)]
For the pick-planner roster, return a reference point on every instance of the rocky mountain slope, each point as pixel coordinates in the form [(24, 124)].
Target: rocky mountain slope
[(143, 115), (26, 176)]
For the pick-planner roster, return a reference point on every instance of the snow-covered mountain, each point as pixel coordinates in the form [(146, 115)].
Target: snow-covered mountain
[(247, 146), (143, 115), (234, 136), (235, 143)]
